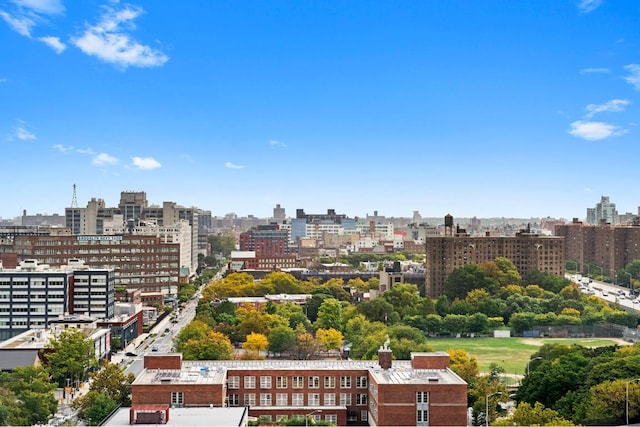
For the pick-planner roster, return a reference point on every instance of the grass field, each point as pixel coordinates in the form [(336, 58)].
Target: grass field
[(510, 353)]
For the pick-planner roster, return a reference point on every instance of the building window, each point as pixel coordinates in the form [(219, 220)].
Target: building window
[(265, 382), (313, 399), (361, 399), (329, 399), (281, 399), (422, 397), (297, 399), (329, 382), (249, 382), (265, 399), (249, 399), (332, 418), (281, 382), (361, 382), (364, 415), (234, 400), (345, 382), (314, 382), (422, 417), (177, 398), (298, 382), (233, 382), (345, 399)]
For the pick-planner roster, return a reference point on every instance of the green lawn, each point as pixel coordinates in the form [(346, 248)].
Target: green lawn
[(510, 353)]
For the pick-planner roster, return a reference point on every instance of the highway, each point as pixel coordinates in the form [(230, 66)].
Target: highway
[(612, 293)]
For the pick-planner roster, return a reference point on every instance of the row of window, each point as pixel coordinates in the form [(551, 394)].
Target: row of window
[(297, 399), (249, 382)]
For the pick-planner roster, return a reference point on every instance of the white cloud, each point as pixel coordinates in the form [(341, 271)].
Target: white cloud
[(104, 159), (146, 163), (586, 6), (634, 75), (61, 148), (48, 7), (594, 131), (54, 43), (595, 71), (3, 80), (110, 41), (233, 166), (22, 133), (88, 151), (20, 24), (614, 105), (275, 143)]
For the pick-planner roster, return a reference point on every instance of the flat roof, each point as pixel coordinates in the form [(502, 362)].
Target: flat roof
[(216, 371), (198, 416)]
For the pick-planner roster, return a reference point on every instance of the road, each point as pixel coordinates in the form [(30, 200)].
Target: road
[(612, 293), (160, 338)]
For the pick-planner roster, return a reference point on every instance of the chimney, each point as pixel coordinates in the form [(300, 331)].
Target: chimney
[(385, 355)]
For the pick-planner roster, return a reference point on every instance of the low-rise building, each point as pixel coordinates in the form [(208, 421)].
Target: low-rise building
[(418, 392)]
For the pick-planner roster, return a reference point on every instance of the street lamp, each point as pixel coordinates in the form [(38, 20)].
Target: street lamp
[(486, 416), (630, 279), (529, 363), (306, 417), (627, 398), (575, 263)]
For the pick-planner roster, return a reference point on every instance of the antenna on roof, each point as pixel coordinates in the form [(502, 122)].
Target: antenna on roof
[(74, 200)]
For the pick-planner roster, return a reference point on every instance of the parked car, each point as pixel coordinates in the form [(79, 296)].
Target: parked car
[(131, 354), (154, 348)]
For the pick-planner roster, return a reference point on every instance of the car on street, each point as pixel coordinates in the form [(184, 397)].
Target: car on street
[(131, 354)]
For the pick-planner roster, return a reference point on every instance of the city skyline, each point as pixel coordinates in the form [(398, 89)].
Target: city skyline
[(474, 108)]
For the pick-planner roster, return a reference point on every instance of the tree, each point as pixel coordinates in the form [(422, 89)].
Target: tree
[(463, 280), (68, 355), (306, 344), (26, 396), (112, 381), (282, 339), (329, 339), (256, 342), (463, 364), (214, 346), (283, 283), (101, 406), (536, 415), (404, 298), (329, 315)]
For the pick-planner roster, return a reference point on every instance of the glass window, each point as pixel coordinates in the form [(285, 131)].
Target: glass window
[(249, 382), (314, 382), (265, 382), (281, 382), (298, 382), (345, 382), (329, 382), (249, 399)]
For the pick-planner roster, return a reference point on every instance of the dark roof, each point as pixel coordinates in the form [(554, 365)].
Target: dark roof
[(12, 358)]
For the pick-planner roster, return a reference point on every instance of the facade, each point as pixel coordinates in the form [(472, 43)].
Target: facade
[(267, 241), (133, 208), (34, 295), (313, 226), (527, 251), (418, 392), (610, 247), (247, 260), (138, 262)]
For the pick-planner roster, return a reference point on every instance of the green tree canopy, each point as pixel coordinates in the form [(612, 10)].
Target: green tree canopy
[(68, 356)]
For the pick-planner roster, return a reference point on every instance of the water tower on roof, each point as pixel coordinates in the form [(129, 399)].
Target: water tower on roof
[(448, 225)]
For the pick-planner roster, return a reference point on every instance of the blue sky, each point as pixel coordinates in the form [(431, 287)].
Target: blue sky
[(474, 108)]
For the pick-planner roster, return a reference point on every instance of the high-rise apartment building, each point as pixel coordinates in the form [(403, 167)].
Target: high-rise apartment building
[(610, 247), (527, 251)]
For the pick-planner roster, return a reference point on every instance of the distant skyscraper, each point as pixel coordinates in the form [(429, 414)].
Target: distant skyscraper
[(278, 212), (604, 212)]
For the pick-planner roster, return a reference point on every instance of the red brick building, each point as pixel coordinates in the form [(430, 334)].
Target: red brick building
[(418, 392)]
